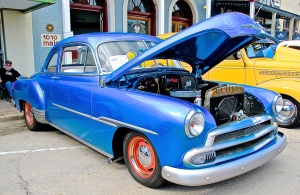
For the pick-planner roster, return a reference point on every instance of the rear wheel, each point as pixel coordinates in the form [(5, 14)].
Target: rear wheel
[(141, 160), (30, 120), (289, 116)]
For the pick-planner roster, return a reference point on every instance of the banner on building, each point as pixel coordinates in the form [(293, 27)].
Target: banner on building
[(296, 37), (281, 35)]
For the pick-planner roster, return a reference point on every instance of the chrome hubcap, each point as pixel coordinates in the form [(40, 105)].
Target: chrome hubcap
[(144, 156), (288, 112)]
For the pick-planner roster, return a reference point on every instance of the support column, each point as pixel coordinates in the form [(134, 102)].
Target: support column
[(208, 9), (291, 28), (161, 14), (252, 8), (66, 18), (273, 24)]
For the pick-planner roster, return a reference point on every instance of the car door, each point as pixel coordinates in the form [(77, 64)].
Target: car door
[(69, 97)]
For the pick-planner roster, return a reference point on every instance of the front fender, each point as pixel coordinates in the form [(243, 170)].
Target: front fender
[(287, 86), (30, 91), (266, 97)]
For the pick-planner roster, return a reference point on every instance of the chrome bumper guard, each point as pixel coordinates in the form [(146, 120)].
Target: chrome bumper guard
[(198, 177)]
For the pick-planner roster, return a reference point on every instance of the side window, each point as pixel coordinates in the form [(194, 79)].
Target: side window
[(52, 63), (77, 59)]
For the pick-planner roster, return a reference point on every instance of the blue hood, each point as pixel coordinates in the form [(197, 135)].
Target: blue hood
[(203, 45)]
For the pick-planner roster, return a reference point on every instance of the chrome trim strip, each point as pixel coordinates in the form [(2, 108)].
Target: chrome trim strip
[(247, 122), (119, 123), (82, 141), (40, 115), (108, 121), (197, 177)]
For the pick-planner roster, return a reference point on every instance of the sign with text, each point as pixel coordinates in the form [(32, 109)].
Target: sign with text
[(49, 40)]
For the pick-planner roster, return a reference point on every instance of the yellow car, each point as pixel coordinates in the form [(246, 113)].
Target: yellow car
[(263, 64)]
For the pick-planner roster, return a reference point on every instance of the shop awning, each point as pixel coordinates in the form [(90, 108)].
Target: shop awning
[(25, 6), (261, 10)]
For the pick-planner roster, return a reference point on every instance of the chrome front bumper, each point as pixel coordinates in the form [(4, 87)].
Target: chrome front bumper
[(197, 177)]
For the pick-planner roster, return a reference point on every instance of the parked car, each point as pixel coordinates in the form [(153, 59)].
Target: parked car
[(266, 65), (102, 90)]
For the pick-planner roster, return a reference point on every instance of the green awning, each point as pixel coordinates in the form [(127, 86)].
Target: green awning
[(25, 6)]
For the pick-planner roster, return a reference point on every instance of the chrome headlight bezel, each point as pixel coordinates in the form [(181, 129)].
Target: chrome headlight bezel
[(194, 123), (277, 104)]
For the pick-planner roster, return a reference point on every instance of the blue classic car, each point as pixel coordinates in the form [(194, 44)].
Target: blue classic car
[(128, 97)]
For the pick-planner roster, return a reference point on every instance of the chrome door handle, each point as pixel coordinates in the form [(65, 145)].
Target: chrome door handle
[(55, 78)]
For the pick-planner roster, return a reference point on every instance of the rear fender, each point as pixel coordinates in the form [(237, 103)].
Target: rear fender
[(29, 91)]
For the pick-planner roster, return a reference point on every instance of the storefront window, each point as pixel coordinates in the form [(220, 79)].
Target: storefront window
[(141, 17), (181, 16), (137, 25), (88, 16), (89, 2)]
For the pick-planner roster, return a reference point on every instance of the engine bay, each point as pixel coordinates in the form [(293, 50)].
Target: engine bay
[(225, 102)]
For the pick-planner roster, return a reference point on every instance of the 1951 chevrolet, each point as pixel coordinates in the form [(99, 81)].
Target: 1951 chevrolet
[(127, 96)]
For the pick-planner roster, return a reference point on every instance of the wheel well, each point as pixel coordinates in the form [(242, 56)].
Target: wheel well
[(285, 95), (117, 144), (21, 102)]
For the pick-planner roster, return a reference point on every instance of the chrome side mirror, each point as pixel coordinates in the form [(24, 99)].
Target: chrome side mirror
[(237, 55)]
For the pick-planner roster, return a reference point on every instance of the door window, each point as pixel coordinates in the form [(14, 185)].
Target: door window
[(78, 59)]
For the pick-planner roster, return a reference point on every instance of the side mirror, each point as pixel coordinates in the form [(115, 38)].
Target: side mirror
[(237, 55)]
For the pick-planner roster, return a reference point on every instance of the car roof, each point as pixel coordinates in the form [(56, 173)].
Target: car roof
[(94, 39)]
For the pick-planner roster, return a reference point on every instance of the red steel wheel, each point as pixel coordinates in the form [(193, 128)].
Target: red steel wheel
[(30, 120), (28, 114), (141, 160), (142, 157)]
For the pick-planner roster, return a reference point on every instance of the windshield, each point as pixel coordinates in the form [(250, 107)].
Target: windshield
[(113, 55), (261, 50)]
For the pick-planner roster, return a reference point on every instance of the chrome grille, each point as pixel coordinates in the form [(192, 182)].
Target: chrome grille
[(241, 132), (210, 157), (243, 146)]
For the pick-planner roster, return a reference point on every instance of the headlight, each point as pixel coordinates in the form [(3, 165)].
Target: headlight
[(277, 104), (194, 123)]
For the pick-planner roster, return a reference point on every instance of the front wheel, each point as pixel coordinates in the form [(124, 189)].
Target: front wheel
[(31, 122), (141, 160), (289, 116)]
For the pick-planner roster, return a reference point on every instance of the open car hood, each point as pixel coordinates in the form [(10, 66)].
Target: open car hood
[(203, 45)]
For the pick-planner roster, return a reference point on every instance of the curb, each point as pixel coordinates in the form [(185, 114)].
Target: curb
[(11, 117)]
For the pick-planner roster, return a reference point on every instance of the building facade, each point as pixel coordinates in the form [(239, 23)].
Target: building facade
[(27, 38)]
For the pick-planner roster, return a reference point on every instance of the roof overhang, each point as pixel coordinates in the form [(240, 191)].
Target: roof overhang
[(25, 6), (263, 10)]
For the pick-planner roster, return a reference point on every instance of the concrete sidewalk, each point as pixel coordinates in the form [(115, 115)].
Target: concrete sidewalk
[(8, 112)]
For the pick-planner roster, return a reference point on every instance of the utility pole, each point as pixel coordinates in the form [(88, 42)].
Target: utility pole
[(252, 8)]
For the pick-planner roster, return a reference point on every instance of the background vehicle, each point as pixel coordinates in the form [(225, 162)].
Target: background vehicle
[(259, 64), (295, 44), (102, 90)]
